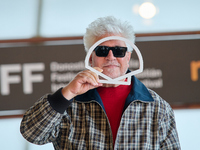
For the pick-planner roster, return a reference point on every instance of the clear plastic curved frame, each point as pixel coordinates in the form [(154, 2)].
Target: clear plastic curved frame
[(117, 80)]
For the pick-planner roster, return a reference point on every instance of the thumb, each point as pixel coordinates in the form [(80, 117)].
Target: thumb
[(98, 69)]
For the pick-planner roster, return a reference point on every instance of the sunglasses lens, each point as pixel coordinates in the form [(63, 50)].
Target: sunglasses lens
[(102, 51), (119, 51)]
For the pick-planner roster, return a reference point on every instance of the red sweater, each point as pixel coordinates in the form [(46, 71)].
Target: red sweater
[(114, 99)]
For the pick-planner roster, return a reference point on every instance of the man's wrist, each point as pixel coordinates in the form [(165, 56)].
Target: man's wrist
[(67, 93)]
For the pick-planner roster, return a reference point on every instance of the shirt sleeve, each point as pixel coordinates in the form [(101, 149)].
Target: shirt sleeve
[(40, 123), (58, 101), (168, 132)]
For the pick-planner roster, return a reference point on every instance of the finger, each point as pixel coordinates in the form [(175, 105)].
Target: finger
[(89, 77), (94, 74), (98, 69)]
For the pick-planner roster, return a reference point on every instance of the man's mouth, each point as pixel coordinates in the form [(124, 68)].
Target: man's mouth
[(111, 65)]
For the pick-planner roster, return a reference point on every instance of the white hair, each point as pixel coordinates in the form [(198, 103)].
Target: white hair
[(107, 26)]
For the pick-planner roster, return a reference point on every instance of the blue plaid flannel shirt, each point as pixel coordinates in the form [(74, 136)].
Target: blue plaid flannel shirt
[(147, 122)]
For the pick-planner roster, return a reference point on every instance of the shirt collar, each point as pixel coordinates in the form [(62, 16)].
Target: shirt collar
[(139, 91)]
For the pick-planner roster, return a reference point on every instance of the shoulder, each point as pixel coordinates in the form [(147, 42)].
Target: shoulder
[(158, 99), (161, 105)]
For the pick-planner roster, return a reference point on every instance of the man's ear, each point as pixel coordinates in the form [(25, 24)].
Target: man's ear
[(129, 56), (90, 60)]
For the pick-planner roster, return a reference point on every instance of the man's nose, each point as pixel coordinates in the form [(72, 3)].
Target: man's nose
[(110, 55)]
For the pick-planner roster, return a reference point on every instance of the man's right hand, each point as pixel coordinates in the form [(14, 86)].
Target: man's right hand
[(83, 82)]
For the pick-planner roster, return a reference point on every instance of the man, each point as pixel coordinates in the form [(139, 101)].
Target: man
[(87, 114)]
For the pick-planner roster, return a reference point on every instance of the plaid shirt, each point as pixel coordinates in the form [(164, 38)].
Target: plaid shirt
[(147, 122)]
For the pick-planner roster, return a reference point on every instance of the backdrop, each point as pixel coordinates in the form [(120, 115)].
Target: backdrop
[(171, 68)]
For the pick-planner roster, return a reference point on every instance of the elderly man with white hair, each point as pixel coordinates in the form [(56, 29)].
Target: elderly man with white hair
[(87, 114)]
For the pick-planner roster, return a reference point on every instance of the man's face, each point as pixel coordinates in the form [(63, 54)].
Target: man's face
[(112, 66)]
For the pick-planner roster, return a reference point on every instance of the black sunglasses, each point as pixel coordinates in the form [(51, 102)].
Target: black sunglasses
[(102, 51)]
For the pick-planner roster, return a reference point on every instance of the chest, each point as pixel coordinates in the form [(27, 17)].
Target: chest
[(87, 126)]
